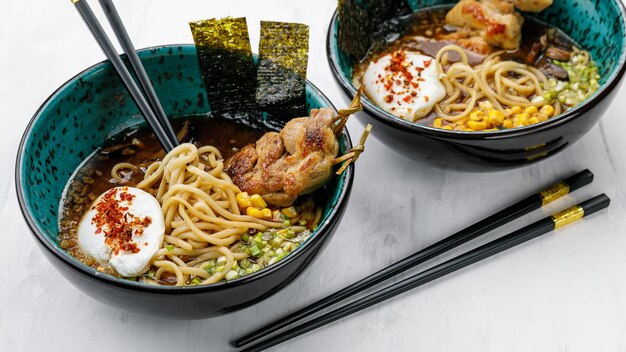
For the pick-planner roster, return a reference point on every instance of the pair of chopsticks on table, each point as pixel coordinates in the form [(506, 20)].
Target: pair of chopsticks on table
[(517, 210), (151, 108)]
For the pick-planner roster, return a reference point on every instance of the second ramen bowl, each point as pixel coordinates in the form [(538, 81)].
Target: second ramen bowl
[(599, 27), (93, 106)]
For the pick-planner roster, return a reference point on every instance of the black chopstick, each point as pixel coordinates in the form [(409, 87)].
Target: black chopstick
[(511, 240), (480, 228), (165, 135), (140, 72)]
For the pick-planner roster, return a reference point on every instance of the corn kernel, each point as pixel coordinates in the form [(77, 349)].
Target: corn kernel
[(258, 201), (476, 125), (447, 127), (548, 110), (254, 212), (508, 112), (541, 116), (259, 214), (533, 120), (476, 115), (495, 117), (290, 212), (438, 122), (522, 119), (516, 110), (243, 200), (508, 123), (531, 110)]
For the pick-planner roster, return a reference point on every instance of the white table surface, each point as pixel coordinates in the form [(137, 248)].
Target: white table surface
[(564, 292)]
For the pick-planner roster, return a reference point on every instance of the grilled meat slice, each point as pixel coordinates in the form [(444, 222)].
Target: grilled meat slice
[(282, 166), (494, 20)]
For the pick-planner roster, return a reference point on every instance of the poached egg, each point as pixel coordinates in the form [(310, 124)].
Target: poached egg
[(404, 83), (123, 228)]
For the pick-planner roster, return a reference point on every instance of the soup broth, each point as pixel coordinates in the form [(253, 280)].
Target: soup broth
[(138, 148), (565, 75)]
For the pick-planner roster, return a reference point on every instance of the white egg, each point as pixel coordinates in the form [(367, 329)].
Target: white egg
[(405, 84), (141, 216)]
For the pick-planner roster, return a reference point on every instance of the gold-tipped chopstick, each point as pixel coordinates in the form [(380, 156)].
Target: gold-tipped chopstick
[(504, 216), (525, 234)]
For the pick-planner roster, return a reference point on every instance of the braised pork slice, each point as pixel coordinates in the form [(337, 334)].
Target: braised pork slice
[(282, 166), (494, 20)]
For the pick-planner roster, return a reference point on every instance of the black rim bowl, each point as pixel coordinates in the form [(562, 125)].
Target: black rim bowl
[(184, 302)]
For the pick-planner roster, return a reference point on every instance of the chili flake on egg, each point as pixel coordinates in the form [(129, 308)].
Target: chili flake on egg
[(404, 83)]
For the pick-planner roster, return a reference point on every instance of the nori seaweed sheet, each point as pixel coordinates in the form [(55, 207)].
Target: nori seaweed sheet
[(281, 74), (362, 22), (227, 67)]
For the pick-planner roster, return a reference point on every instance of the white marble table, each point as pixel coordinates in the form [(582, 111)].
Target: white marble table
[(565, 292)]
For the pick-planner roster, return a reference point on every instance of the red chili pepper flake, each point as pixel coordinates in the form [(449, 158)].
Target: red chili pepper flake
[(118, 225), (398, 65), (427, 63), (127, 197), (406, 98), (413, 93), (426, 98), (388, 98)]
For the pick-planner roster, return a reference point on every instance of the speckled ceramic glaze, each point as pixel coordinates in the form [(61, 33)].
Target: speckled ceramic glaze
[(93, 106), (598, 26)]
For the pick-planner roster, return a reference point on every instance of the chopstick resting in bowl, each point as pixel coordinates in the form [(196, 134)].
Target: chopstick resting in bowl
[(504, 216), (494, 247), (152, 112)]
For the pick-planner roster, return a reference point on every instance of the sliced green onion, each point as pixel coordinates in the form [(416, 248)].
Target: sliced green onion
[(255, 251), (245, 263), (170, 247), (231, 274), (276, 241), (290, 234)]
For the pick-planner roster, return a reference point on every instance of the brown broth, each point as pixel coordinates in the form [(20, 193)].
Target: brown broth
[(93, 177), (430, 23)]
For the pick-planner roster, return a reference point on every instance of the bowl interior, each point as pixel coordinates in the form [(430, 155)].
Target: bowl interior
[(94, 106), (598, 26)]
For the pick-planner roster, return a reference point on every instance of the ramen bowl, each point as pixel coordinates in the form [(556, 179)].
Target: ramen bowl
[(94, 106), (598, 27)]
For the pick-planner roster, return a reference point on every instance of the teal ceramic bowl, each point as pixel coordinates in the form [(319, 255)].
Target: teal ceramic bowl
[(94, 106), (598, 26)]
